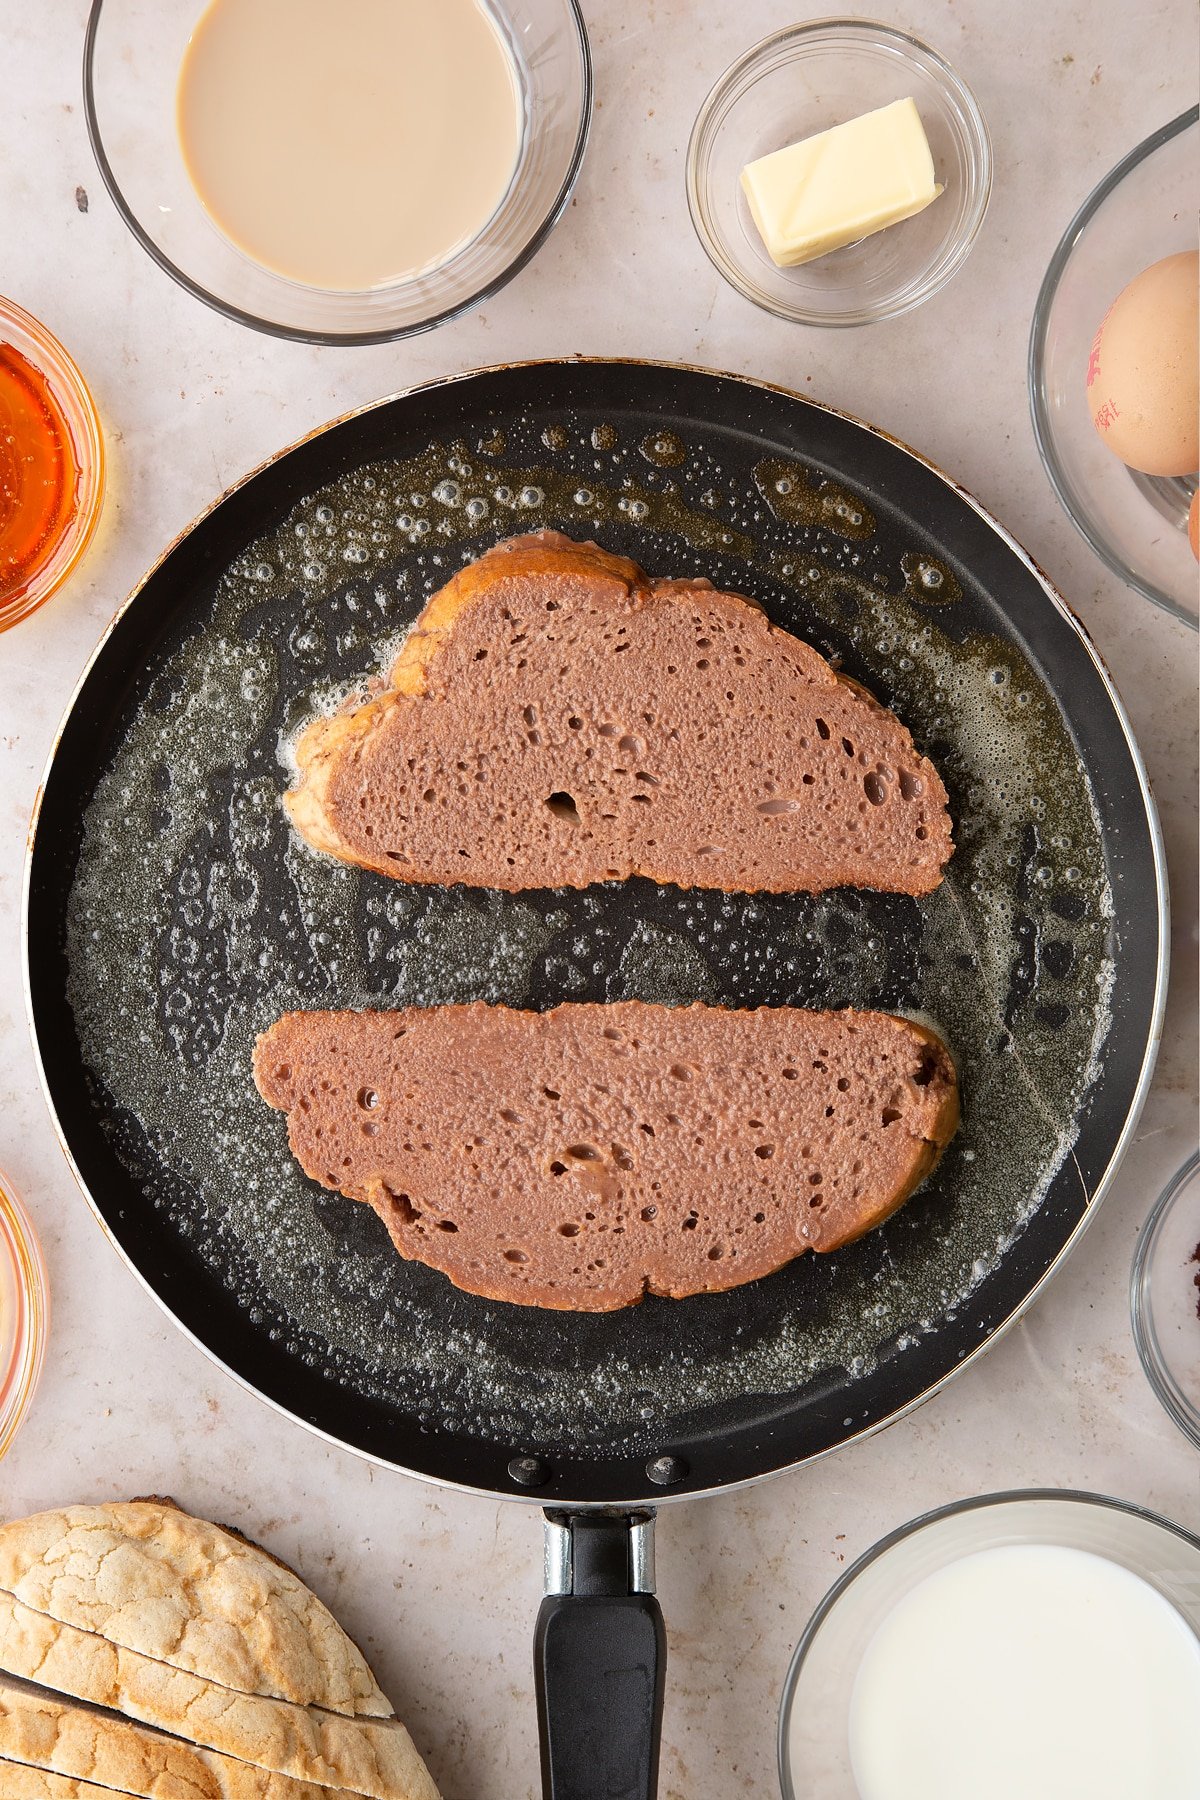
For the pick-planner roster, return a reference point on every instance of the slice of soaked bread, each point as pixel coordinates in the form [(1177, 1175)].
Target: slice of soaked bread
[(583, 1157), (555, 718)]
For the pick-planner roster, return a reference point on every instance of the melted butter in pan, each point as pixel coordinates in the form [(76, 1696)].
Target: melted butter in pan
[(196, 919)]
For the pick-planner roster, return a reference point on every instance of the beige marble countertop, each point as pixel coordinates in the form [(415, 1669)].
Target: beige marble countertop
[(442, 1588)]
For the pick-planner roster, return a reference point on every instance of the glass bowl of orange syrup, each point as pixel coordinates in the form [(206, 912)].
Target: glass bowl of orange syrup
[(51, 464), (24, 1312)]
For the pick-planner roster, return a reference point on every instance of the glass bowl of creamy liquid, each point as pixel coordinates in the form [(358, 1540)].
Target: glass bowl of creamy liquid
[(339, 174), (1040, 1643)]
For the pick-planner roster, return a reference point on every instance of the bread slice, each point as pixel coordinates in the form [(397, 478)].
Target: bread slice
[(61, 1736), (582, 1157), (20, 1782), (365, 1756), (154, 1579), (555, 718)]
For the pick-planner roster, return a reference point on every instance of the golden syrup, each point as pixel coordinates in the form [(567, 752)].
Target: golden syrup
[(24, 1312), (39, 475)]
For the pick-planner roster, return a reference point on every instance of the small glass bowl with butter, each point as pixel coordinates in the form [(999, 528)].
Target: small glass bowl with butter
[(809, 79)]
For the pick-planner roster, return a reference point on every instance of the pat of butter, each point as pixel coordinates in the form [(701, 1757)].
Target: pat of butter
[(841, 184)]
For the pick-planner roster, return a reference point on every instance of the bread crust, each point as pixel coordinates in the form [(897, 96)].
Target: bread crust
[(18, 1781), (365, 1756), (181, 1591), (45, 1731)]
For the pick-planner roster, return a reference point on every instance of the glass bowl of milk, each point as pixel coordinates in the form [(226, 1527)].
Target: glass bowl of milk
[(339, 173), (1041, 1644)]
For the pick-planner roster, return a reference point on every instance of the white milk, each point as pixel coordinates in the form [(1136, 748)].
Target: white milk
[(348, 143), (1029, 1672)]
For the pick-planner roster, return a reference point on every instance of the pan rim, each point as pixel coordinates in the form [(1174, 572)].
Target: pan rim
[(1149, 1056)]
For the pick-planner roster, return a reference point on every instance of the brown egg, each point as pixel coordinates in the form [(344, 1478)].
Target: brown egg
[(1143, 375), (1194, 524)]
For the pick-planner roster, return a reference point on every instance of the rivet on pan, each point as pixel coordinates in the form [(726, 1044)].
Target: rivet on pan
[(529, 1471), (665, 1471)]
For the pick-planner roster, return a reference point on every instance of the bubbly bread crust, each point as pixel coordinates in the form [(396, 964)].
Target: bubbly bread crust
[(63, 1737), (18, 1781), (580, 1158), (150, 1577), (364, 1756), (556, 718)]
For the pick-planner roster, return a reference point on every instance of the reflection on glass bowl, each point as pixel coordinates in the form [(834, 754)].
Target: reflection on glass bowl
[(133, 51), (801, 81), (1165, 1298), (1142, 211)]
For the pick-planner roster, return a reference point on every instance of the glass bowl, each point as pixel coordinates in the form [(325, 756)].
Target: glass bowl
[(1142, 211), (132, 54), (814, 1748), (803, 80), (1165, 1298), (70, 394), (24, 1313)]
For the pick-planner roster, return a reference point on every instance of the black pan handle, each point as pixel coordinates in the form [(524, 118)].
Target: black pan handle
[(600, 1658)]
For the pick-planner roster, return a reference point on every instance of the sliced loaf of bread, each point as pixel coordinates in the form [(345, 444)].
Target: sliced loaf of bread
[(583, 1157), (365, 1756), (84, 1743), (177, 1589), (19, 1781), (555, 718)]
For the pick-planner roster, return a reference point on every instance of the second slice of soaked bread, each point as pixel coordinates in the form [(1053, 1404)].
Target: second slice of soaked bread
[(583, 1157), (556, 718)]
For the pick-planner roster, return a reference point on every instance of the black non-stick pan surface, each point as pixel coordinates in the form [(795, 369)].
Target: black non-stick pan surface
[(172, 915)]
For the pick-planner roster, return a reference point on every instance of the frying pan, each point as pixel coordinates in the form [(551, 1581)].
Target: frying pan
[(170, 915)]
